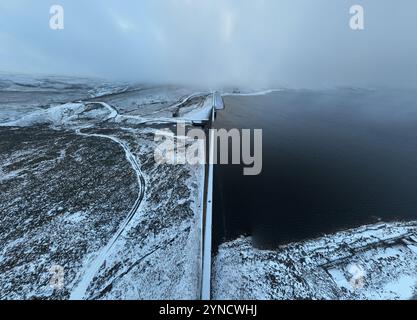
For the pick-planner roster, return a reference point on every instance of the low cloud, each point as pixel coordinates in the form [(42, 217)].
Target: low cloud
[(262, 43)]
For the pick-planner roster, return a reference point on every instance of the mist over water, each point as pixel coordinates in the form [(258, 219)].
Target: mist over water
[(264, 43)]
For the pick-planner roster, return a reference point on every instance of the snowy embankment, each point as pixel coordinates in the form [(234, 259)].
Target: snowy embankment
[(201, 113), (371, 262)]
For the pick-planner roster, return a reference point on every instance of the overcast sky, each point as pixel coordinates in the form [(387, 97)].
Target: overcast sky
[(258, 43)]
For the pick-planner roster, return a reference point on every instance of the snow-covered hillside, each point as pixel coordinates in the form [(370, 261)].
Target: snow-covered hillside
[(81, 191), (371, 262)]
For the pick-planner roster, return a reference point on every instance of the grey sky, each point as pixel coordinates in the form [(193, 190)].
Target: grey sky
[(262, 43)]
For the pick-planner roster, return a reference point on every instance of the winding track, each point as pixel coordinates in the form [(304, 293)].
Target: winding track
[(79, 292)]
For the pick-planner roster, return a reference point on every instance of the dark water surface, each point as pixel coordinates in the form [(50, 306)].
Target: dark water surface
[(331, 160)]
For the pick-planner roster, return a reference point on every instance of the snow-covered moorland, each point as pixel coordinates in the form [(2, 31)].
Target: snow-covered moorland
[(80, 191)]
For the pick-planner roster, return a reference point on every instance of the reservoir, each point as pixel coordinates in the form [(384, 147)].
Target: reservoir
[(332, 160)]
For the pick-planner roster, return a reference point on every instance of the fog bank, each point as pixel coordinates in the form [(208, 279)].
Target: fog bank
[(261, 43)]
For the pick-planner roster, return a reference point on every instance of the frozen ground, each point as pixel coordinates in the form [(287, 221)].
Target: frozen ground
[(80, 190), (22, 94), (372, 262)]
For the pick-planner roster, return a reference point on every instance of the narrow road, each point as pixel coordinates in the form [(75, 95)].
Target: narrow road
[(79, 292)]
